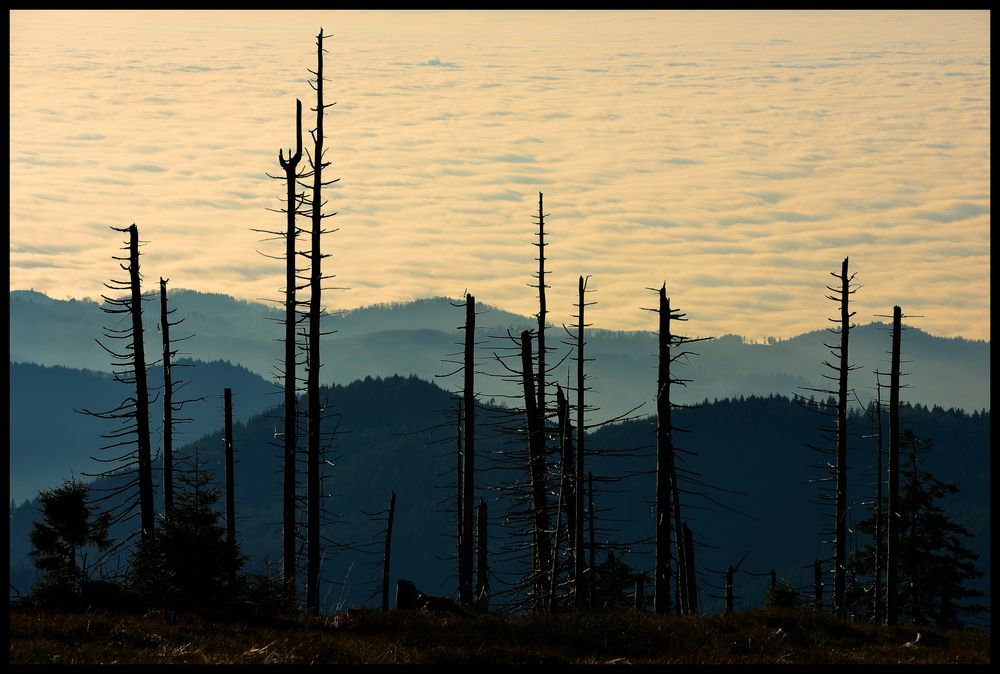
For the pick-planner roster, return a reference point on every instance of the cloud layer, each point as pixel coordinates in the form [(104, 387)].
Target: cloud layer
[(737, 156)]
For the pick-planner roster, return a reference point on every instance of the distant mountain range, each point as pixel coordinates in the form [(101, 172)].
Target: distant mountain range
[(745, 483), (418, 337)]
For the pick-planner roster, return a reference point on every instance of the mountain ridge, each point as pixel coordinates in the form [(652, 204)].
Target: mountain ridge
[(419, 337)]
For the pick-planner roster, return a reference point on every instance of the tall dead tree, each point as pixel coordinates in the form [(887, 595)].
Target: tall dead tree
[(578, 580), (459, 498), (168, 454), (692, 585), (664, 461), (536, 449), (313, 506), (170, 404), (134, 411), (669, 533), (147, 514), (893, 516), (838, 433), (842, 296), (469, 453), (288, 564), (878, 515)]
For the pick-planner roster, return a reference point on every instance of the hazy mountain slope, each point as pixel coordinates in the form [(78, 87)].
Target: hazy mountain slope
[(417, 337), (49, 442)]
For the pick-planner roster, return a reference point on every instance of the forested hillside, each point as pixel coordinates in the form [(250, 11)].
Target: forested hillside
[(745, 488)]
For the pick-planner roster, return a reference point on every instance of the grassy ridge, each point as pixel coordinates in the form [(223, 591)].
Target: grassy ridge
[(366, 637)]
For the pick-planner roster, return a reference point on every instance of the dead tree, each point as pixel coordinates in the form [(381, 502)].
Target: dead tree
[(692, 585), (315, 411), (664, 461), (290, 438), (134, 411), (459, 499), (168, 454), (577, 503), (147, 514), (841, 295), (729, 586), (893, 517), (667, 489), (230, 481), (469, 454), (878, 515), (170, 405), (288, 370), (536, 450), (388, 549)]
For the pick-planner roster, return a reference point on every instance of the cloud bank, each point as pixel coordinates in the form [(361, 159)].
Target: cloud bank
[(736, 156)]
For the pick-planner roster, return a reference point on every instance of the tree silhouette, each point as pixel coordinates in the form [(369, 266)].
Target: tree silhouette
[(841, 295), (290, 435), (67, 527), (667, 490), (133, 412), (287, 372), (170, 405), (892, 509), (189, 561), (313, 363), (468, 481)]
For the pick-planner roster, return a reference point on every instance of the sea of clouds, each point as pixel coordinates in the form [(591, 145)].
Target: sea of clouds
[(736, 156)]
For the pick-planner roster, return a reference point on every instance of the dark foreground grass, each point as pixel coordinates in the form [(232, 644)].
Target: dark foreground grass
[(368, 637)]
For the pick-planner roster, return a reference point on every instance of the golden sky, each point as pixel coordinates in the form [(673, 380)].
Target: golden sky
[(738, 156)]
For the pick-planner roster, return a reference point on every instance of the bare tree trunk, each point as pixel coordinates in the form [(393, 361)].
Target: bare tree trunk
[(459, 500), (692, 582), (578, 579), (291, 429), (230, 483), (640, 593), (482, 568), (385, 555), (664, 462), (315, 307), (892, 516), (840, 555), (469, 395), (879, 531), (168, 451), (146, 508), (536, 451)]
